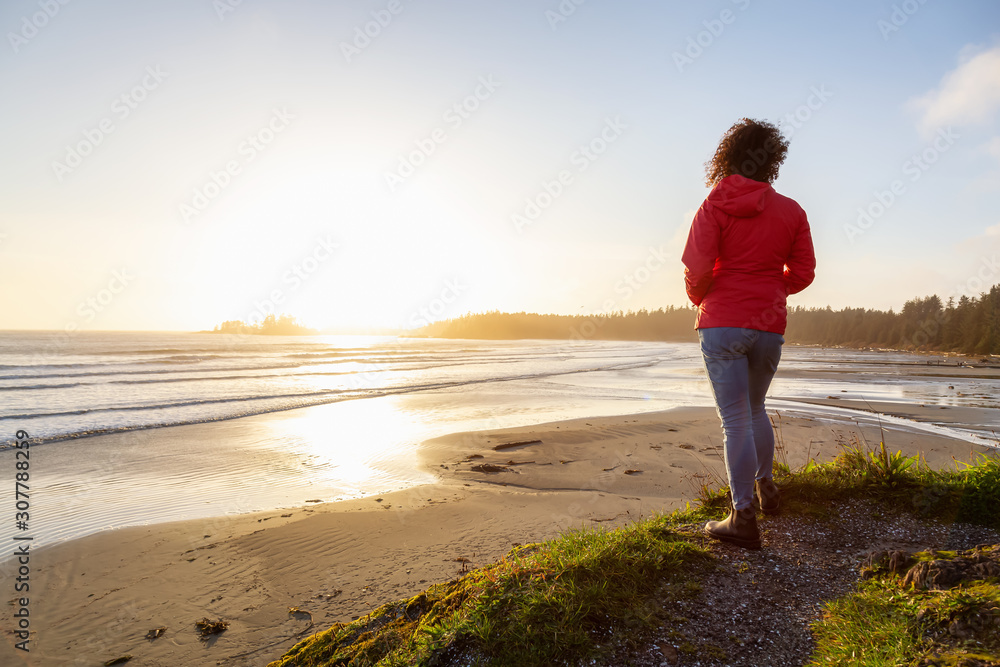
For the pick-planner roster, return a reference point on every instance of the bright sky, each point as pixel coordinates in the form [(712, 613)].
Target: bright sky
[(170, 165)]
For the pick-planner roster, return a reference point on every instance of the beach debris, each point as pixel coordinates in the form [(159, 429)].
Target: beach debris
[(519, 443), (632, 472), (474, 456), (207, 628), (315, 500), (378, 500), (155, 633), (512, 462), (119, 661), (328, 596), (685, 445), (656, 447), (300, 614), (489, 467)]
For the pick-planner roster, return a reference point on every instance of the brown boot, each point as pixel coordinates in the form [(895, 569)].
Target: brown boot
[(739, 528), (768, 495)]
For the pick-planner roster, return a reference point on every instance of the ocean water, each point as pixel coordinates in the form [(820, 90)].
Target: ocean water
[(88, 384), (133, 428)]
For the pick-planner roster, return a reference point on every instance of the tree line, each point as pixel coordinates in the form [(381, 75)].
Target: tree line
[(969, 325), (283, 325)]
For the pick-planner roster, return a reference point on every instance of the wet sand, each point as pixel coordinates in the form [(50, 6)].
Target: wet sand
[(94, 599)]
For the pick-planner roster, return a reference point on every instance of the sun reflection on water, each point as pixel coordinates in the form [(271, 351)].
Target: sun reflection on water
[(349, 444)]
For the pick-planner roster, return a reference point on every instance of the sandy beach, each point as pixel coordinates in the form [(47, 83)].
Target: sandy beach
[(96, 598)]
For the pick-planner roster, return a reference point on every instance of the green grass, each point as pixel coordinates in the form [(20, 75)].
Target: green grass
[(544, 604), (970, 493), (882, 622), (869, 627), (885, 623), (589, 592)]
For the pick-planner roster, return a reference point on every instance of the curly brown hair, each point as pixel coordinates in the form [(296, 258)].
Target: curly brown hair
[(751, 148)]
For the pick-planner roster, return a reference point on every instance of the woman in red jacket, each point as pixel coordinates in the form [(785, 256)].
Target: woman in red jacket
[(748, 249)]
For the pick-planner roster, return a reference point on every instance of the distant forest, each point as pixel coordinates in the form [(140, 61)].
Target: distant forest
[(969, 325), (285, 325)]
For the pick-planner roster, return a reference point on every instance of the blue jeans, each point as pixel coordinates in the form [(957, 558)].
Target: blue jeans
[(740, 364)]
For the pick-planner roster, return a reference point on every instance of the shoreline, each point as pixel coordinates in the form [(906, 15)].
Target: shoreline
[(936, 364), (281, 459), (98, 596)]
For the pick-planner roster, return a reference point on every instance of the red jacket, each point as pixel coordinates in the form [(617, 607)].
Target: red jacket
[(748, 249)]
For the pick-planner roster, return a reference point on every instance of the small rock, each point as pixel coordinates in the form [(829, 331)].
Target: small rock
[(669, 654)]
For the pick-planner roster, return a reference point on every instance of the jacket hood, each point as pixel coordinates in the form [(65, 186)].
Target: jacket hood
[(740, 196)]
